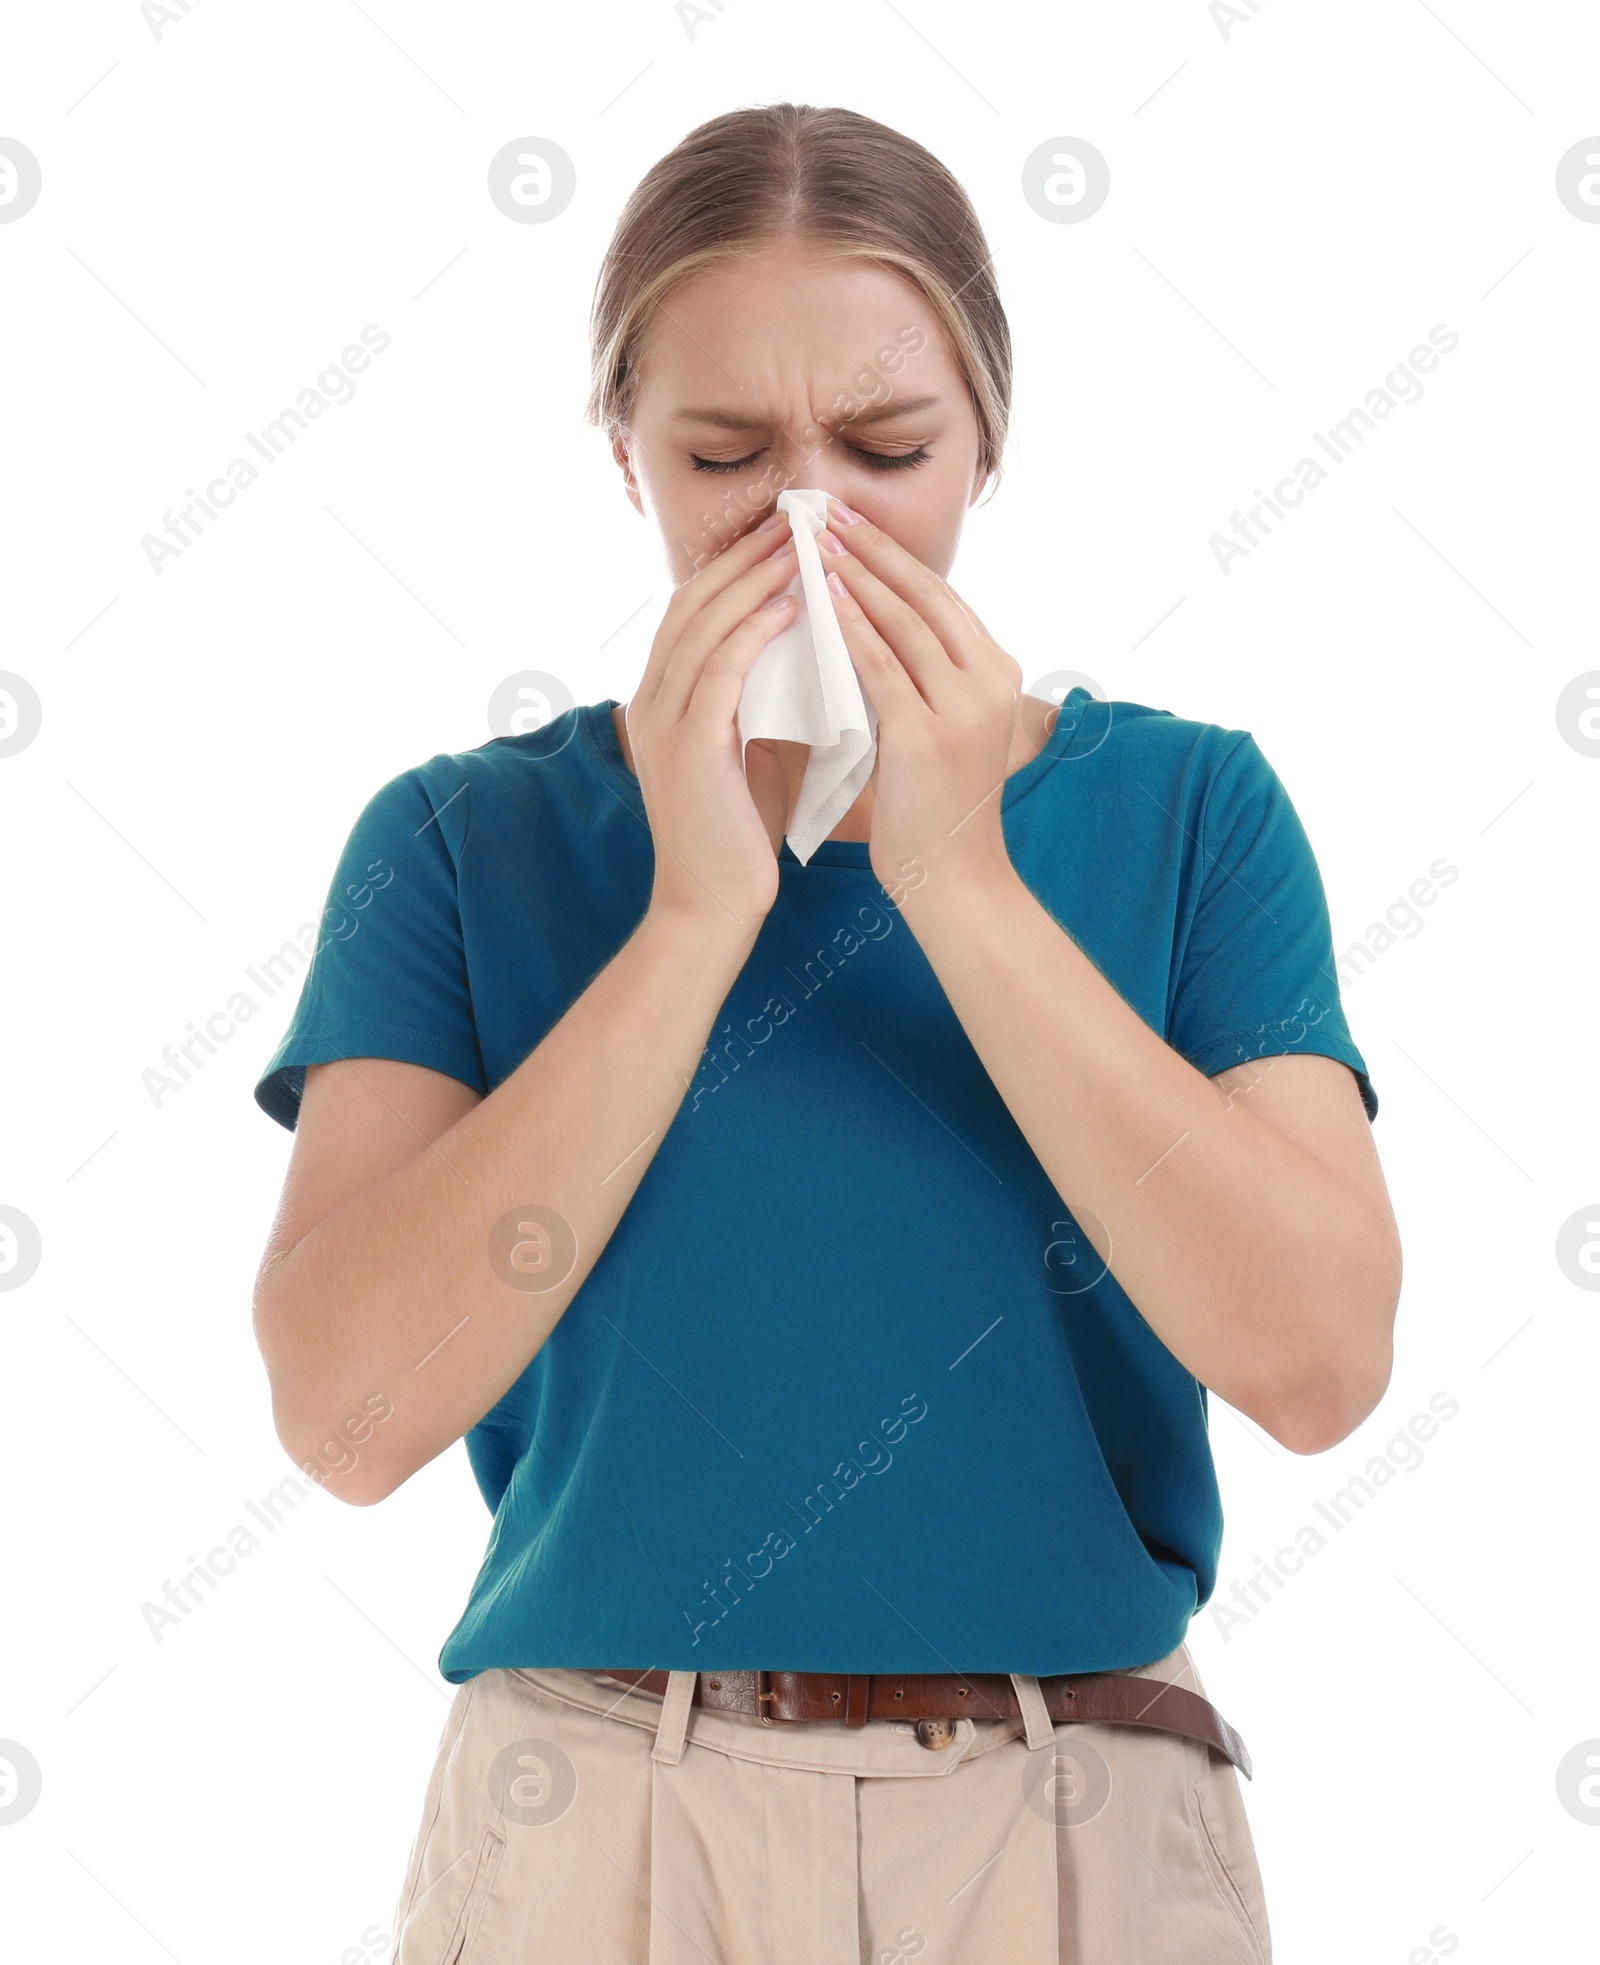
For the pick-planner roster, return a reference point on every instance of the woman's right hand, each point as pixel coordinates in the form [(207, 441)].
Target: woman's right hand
[(716, 836)]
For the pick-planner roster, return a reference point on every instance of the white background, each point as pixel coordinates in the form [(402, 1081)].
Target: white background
[(1294, 204)]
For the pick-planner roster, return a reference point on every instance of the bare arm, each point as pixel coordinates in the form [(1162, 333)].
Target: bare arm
[(1248, 1222), (377, 1299), (1247, 1215), (377, 1282)]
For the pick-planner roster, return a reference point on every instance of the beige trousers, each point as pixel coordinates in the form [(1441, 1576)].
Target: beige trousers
[(571, 1820)]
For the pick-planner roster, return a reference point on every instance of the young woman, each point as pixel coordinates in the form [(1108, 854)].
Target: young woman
[(826, 1264)]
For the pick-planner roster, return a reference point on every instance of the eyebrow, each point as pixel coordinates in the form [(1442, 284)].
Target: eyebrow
[(738, 419)]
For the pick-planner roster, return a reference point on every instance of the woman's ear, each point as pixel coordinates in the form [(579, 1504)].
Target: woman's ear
[(619, 450)]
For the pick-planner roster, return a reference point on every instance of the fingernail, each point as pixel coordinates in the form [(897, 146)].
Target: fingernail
[(767, 524), (828, 543), (777, 600), (836, 585), (843, 511)]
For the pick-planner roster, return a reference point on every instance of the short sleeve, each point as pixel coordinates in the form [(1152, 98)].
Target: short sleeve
[(388, 974), (1255, 975)]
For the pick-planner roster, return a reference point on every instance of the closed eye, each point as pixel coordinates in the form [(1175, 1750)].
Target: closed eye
[(877, 460)]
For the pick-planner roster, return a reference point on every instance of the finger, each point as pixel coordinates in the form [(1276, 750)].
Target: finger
[(705, 586), (897, 623), (712, 580), (720, 677), (888, 685), (958, 628), (707, 629)]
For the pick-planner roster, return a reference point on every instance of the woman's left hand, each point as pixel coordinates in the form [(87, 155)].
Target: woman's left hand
[(946, 695)]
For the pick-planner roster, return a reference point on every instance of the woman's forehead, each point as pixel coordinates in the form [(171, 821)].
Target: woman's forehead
[(758, 348)]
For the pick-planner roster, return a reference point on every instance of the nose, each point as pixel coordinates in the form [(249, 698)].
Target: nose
[(821, 463), (822, 471)]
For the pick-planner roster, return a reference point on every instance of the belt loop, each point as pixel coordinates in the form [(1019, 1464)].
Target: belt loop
[(673, 1725), (1039, 1727)]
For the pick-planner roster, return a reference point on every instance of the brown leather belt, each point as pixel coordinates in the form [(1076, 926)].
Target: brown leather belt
[(936, 1699)]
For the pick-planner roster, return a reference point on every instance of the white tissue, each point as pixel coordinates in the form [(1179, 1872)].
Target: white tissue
[(803, 686)]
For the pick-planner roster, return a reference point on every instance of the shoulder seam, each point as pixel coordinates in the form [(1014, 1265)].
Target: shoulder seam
[(1205, 808), (420, 772)]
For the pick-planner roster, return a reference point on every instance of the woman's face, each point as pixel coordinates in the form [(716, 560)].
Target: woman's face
[(788, 367)]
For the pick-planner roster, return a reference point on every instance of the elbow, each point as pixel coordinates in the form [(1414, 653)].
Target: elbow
[(360, 1458), (346, 1459), (352, 1459), (1317, 1412), (331, 1459), (358, 1492), (1333, 1373)]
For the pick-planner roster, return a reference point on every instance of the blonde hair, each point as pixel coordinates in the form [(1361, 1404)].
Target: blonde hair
[(828, 175)]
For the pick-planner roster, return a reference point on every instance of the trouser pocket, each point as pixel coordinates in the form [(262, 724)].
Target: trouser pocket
[(1227, 1848), (458, 1947)]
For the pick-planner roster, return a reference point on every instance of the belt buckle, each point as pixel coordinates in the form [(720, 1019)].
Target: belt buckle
[(765, 1697), (935, 1734)]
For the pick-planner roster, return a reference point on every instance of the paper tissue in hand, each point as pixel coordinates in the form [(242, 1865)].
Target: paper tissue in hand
[(803, 687)]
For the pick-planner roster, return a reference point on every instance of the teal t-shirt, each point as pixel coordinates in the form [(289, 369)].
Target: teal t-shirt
[(847, 1390)]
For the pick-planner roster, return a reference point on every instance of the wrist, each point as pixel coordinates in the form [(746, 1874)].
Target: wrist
[(954, 890), (715, 930)]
